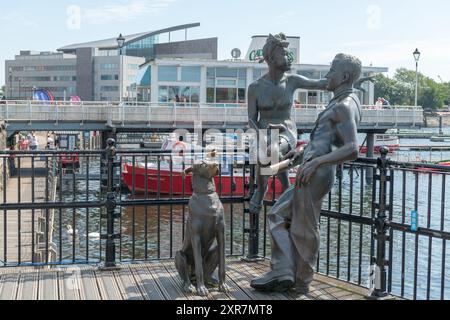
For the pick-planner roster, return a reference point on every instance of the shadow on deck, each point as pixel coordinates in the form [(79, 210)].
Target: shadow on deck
[(151, 281)]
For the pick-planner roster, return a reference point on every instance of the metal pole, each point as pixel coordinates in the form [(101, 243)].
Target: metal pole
[(111, 204), (121, 77), (382, 230), (417, 82)]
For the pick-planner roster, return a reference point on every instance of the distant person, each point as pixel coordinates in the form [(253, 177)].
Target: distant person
[(34, 142), (379, 104), (50, 142), (12, 161)]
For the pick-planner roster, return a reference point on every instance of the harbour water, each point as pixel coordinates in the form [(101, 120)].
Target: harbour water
[(143, 228)]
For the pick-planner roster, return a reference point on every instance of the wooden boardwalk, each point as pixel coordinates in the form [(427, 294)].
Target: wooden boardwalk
[(150, 281)]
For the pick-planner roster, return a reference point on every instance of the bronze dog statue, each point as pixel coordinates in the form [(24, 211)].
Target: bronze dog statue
[(200, 257)]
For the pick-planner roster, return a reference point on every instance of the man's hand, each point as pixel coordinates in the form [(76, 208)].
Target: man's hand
[(294, 155), (358, 84), (306, 172)]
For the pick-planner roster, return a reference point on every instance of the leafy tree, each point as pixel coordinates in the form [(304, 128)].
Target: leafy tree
[(400, 90)]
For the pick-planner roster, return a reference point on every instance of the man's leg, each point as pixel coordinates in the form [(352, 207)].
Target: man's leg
[(305, 229), (282, 275)]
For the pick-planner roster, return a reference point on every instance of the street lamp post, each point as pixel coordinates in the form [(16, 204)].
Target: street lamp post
[(417, 57), (120, 44)]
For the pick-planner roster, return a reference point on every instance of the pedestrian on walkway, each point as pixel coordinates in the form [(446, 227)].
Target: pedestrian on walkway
[(34, 142)]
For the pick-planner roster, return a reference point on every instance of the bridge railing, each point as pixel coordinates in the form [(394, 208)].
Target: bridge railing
[(129, 112)]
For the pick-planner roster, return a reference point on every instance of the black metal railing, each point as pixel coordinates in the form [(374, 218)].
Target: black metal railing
[(384, 226)]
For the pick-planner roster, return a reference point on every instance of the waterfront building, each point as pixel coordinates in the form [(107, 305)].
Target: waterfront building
[(157, 71), (96, 70)]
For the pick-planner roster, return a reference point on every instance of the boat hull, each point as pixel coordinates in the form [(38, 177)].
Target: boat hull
[(172, 182)]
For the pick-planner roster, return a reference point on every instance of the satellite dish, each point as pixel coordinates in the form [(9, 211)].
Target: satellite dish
[(236, 53)]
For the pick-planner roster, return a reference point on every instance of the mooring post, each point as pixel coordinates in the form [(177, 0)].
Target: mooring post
[(370, 155), (381, 235), (110, 204)]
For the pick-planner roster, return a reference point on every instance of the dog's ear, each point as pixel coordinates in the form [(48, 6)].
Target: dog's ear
[(187, 171)]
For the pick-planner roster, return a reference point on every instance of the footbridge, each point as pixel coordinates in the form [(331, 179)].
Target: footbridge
[(165, 117)]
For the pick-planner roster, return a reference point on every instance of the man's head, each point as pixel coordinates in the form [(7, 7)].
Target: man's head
[(275, 52), (345, 70)]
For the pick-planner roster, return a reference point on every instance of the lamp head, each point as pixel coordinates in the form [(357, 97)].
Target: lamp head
[(416, 55), (120, 41)]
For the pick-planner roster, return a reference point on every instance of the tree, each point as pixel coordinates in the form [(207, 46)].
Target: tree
[(400, 90)]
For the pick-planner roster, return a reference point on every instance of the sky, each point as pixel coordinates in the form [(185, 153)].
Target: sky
[(382, 33)]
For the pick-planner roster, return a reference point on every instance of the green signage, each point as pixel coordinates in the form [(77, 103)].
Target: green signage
[(257, 55)]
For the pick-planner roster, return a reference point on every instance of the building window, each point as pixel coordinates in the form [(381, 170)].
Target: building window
[(106, 77), (226, 95), (226, 83), (108, 66), (133, 66), (109, 88), (167, 73), (190, 74), (179, 94)]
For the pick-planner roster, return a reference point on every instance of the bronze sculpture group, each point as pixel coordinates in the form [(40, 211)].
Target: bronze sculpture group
[(294, 220)]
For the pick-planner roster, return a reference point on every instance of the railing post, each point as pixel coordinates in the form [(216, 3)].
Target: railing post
[(253, 229), (111, 204), (379, 262)]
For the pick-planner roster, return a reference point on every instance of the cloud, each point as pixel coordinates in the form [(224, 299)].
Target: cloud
[(124, 12), (19, 18)]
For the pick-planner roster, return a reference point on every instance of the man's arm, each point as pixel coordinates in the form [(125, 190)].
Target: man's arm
[(301, 82), (347, 131), (252, 108)]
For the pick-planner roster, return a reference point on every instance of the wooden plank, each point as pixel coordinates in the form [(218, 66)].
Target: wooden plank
[(28, 286), (48, 286), (127, 284), (10, 286), (148, 285), (108, 286), (91, 289), (70, 284), (170, 290)]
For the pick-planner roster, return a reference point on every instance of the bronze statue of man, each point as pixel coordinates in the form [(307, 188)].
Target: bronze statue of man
[(270, 101), (294, 220)]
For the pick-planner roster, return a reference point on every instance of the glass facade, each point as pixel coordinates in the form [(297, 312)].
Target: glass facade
[(226, 85), (167, 73), (179, 94), (190, 74), (142, 48)]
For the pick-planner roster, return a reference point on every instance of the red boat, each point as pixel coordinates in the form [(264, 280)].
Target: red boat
[(444, 164), (166, 178), (392, 142)]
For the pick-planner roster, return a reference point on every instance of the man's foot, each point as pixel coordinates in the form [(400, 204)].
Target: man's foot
[(273, 281)]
